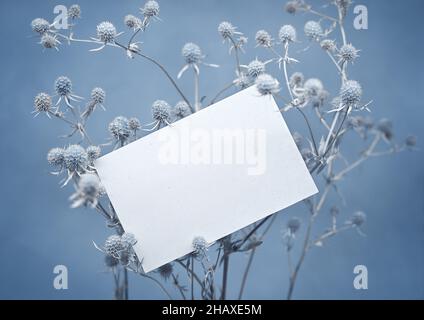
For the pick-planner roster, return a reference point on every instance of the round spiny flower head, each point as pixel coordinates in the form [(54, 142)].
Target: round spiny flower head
[(55, 157), (191, 53), (267, 84), (150, 9), (255, 68), (89, 185), (294, 225), (313, 30), (313, 87), (242, 81), (132, 21), (42, 102), (161, 111), (113, 246), (120, 128), (93, 152), (74, 11), (411, 141), (328, 45), (63, 86), (226, 29), (106, 32), (128, 240), (358, 218), (200, 246), (296, 79), (182, 110), (49, 41), (75, 157), (263, 38), (351, 93), (287, 33), (110, 261), (385, 126), (348, 53), (134, 124), (40, 25), (291, 7), (98, 95), (166, 270)]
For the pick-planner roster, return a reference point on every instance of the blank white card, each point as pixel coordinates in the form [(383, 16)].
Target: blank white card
[(209, 174)]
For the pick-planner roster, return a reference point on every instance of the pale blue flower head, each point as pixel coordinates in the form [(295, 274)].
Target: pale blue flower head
[(63, 86), (313, 30), (255, 68), (89, 185), (132, 21), (328, 45), (200, 246), (182, 110), (266, 84), (113, 246), (93, 152), (358, 218), (296, 79), (42, 102), (191, 53), (292, 6), (134, 124), (49, 41), (75, 158), (161, 111), (74, 11), (348, 53), (351, 93), (313, 87), (263, 38), (98, 95), (120, 128), (55, 157), (150, 9), (40, 25), (287, 33), (226, 29), (106, 32)]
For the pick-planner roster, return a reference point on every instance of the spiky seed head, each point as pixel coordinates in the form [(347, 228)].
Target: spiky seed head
[(226, 29), (348, 53), (191, 53), (287, 33), (351, 93), (132, 21), (263, 38), (328, 45), (313, 30), (385, 126), (113, 246), (294, 224), (266, 84), (89, 185), (313, 87), (98, 95), (255, 68), (182, 110), (161, 111), (150, 9), (40, 25), (166, 270), (74, 11), (55, 157), (200, 246), (134, 124), (411, 141), (106, 32), (75, 157), (296, 79), (63, 86), (43, 102), (358, 218), (120, 128), (49, 41), (110, 261), (93, 152), (291, 7)]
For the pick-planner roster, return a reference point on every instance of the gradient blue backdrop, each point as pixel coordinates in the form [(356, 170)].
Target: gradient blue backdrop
[(39, 231)]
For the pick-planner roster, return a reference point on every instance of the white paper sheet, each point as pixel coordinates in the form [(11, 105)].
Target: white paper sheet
[(179, 182)]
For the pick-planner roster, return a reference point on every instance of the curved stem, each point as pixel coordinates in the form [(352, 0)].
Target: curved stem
[(221, 92)]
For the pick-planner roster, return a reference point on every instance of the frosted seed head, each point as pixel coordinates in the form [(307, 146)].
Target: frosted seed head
[(296, 79), (255, 68), (166, 270), (294, 225), (263, 38), (93, 152), (351, 93), (134, 124), (328, 45), (150, 9), (40, 25), (313, 30), (132, 21), (120, 128), (226, 29), (348, 53), (74, 11), (75, 157), (55, 157), (63, 86), (43, 102), (287, 33), (161, 111), (89, 185), (98, 95), (49, 41), (358, 218), (313, 87), (291, 7), (113, 246), (191, 53), (106, 32), (267, 84), (182, 110), (200, 246)]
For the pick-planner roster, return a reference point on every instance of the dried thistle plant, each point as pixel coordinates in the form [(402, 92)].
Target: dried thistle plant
[(196, 275)]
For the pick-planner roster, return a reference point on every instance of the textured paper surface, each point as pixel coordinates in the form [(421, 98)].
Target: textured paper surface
[(167, 205)]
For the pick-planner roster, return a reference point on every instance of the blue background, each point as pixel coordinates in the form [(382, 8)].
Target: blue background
[(39, 231)]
